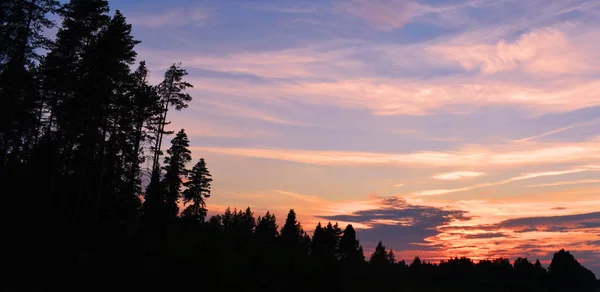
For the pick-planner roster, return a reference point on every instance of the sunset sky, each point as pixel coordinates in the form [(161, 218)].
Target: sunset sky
[(442, 128)]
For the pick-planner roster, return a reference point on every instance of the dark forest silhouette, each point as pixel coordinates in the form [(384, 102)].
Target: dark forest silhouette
[(79, 133)]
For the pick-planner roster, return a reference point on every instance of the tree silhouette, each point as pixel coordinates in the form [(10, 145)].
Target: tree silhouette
[(21, 37), (567, 274), (197, 189), (266, 230), (350, 249), (381, 256), (172, 94), (292, 235), (178, 156), (294, 246)]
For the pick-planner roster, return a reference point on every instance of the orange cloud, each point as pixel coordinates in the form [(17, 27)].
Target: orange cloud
[(564, 183), (458, 175), (470, 155)]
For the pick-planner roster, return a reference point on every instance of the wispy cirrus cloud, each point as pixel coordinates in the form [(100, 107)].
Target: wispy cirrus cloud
[(540, 51), (565, 183), (560, 130), (355, 74), (502, 182), (456, 175), (395, 14), (203, 129), (561, 223), (239, 110), (412, 97), (307, 62), (470, 155)]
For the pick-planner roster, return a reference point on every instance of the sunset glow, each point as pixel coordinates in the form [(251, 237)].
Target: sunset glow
[(443, 128)]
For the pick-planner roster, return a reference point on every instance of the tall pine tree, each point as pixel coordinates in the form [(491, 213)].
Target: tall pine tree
[(178, 156), (197, 189), (21, 39), (172, 94)]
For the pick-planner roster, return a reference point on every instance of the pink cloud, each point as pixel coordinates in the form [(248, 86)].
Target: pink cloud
[(561, 58), (547, 51), (237, 110), (470, 155), (208, 129), (502, 182), (303, 62), (415, 97)]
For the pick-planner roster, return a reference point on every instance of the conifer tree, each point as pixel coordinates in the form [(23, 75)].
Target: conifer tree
[(333, 235), (266, 230), (350, 250), (82, 20), (197, 189), (22, 30), (381, 256), (71, 124), (317, 245), (21, 37), (172, 94), (567, 274), (292, 234), (178, 156), (111, 106), (294, 247)]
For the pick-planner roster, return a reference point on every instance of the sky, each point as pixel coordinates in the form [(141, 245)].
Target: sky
[(443, 128)]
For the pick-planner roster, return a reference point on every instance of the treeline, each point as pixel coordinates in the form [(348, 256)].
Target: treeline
[(87, 193), (236, 251)]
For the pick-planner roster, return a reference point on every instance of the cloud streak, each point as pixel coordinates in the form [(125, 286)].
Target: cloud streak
[(562, 223), (457, 175), (560, 130), (474, 155), (565, 183), (502, 182)]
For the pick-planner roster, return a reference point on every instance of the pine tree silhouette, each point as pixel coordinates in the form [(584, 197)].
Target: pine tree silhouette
[(197, 190)]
